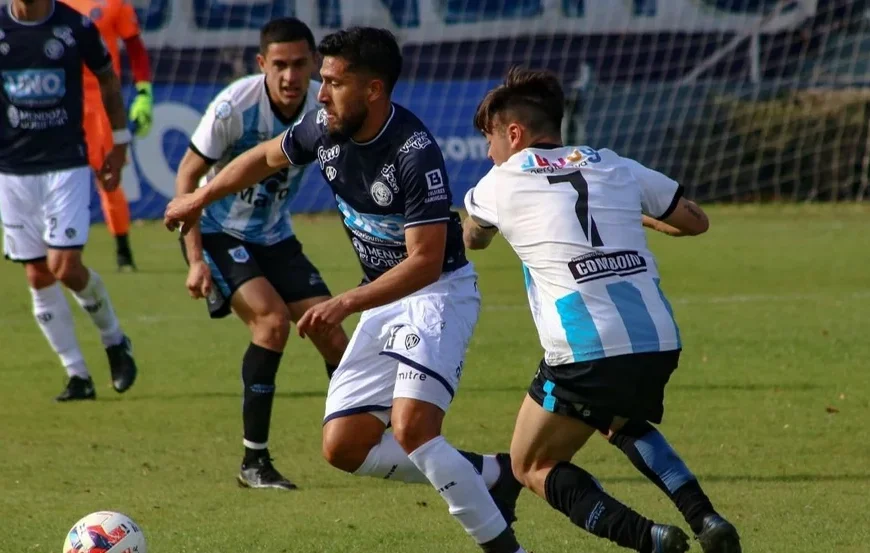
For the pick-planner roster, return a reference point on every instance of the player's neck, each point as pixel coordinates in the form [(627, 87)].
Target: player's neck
[(31, 11), (545, 142), (374, 124)]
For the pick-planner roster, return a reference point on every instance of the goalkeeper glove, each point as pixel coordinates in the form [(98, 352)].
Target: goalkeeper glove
[(142, 109)]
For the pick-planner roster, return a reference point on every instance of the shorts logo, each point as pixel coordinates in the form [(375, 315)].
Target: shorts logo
[(70, 233), (382, 194), (223, 110), (331, 173), (411, 341), (434, 180), (53, 49), (315, 279), (359, 246), (239, 254)]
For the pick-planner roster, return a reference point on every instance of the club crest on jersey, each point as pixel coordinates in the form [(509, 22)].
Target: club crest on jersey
[(53, 49), (239, 254), (223, 110), (382, 194)]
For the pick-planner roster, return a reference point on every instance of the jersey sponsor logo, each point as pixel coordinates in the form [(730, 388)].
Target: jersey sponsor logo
[(418, 141), (321, 117), (376, 257), (35, 87), (331, 172), (539, 163), (223, 110), (595, 265), (325, 155), (382, 194), (388, 229), (53, 49), (12, 115), (435, 184), (239, 254), (389, 174), (64, 32)]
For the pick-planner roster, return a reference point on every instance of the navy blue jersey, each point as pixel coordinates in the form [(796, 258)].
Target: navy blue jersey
[(395, 181), (41, 100)]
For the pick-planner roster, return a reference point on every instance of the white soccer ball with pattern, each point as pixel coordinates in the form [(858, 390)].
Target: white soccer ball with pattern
[(105, 532)]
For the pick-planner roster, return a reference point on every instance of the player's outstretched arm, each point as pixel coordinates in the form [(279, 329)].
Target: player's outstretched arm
[(475, 235), (243, 172), (687, 219)]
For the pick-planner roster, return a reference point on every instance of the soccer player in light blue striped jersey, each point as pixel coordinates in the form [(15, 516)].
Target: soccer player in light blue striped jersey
[(243, 255), (575, 217)]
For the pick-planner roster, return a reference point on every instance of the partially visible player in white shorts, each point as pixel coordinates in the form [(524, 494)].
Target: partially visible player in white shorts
[(45, 180), (51, 210), (413, 348)]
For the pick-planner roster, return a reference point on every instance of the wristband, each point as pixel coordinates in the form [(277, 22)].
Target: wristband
[(121, 136)]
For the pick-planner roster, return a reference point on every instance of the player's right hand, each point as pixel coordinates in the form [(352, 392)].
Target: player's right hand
[(199, 280), (182, 213)]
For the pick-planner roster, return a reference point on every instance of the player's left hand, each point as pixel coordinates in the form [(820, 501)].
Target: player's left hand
[(322, 316), (142, 109), (109, 176), (182, 212)]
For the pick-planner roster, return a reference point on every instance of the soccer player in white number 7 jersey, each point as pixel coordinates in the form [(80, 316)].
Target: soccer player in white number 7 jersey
[(575, 217)]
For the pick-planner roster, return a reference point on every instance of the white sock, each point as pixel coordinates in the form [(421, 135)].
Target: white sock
[(461, 487), (389, 461), (54, 317), (95, 300), (491, 471)]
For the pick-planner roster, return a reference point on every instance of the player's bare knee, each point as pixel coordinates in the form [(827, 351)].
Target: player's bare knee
[(416, 425), (346, 445), (272, 329), (38, 275), (67, 267)]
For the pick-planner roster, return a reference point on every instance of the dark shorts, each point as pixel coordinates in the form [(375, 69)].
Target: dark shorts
[(630, 386), (233, 262)]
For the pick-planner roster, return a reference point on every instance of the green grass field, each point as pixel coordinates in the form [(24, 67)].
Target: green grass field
[(770, 406)]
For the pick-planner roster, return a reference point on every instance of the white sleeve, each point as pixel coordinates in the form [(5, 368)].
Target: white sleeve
[(659, 194), (480, 202), (220, 126)]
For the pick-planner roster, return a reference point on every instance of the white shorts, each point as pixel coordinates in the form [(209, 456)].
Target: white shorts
[(413, 348), (51, 210)]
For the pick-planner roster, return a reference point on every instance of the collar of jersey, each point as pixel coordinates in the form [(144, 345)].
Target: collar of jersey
[(545, 146), (31, 23), (277, 112), (380, 132)]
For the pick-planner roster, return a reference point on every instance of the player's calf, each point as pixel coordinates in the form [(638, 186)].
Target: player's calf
[(652, 455)]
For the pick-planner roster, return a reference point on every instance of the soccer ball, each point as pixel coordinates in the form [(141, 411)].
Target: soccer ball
[(105, 532)]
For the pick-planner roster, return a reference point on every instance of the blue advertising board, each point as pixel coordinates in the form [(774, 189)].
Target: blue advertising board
[(446, 107)]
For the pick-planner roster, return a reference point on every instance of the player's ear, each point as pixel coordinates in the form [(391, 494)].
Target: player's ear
[(376, 89), (515, 135), (261, 61)]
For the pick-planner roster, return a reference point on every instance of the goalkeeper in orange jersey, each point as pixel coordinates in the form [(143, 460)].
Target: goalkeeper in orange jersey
[(116, 21)]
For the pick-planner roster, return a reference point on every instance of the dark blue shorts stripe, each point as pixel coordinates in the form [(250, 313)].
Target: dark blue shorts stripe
[(422, 369), (354, 411)]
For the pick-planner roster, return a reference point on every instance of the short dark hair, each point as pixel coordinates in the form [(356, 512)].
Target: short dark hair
[(366, 49), (532, 97), (285, 29)]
